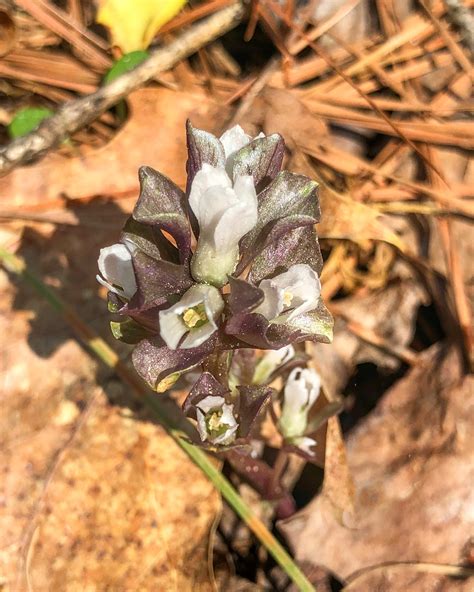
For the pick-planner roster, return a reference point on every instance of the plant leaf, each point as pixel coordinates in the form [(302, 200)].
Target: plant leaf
[(157, 280), (154, 362), (126, 63), (288, 202), (262, 159), (299, 245), (128, 331), (26, 120), (162, 204)]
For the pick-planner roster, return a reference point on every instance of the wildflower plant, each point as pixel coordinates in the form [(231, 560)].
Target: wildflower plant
[(202, 279)]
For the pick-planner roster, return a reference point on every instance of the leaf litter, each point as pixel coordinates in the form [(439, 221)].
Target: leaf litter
[(396, 237)]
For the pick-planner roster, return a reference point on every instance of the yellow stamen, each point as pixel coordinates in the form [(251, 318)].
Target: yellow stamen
[(214, 421), (287, 298), (193, 316)]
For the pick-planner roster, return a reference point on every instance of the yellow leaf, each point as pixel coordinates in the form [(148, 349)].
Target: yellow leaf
[(134, 23)]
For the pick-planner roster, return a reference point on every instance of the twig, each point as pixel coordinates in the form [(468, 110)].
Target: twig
[(108, 356), (74, 115), (451, 44)]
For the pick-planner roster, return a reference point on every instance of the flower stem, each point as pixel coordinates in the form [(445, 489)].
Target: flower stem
[(278, 469), (106, 354)]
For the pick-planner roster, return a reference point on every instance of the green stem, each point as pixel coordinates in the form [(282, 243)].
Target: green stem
[(107, 355)]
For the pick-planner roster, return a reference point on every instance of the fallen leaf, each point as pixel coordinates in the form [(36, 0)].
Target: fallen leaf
[(389, 312), (149, 137), (95, 495), (134, 23), (411, 459)]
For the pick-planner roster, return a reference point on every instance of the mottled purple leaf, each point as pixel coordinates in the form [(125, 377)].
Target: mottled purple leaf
[(316, 325), (250, 328), (243, 296), (298, 246), (254, 329), (162, 205), (251, 402), (203, 147), (206, 385), (288, 202), (150, 240), (262, 158), (157, 280), (154, 361)]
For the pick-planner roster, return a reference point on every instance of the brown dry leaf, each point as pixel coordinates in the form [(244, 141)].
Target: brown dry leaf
[(285, 113), (390, 312), (157, 119), (338, 485), (412, 463), (96, 495), (344, 218)]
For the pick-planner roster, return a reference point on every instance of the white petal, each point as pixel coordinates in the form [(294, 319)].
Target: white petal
[(228, 419), (215, 203), (228, 415), (206, 178), (304, 285), (213, 304), (227, 437), (272, 304), (283, 355), (201, 425), (238, 219), (172, 327), (310, 380), (234, 139), (197, 337), (116, 268), (305, 444), (295, 396), (211, 402)]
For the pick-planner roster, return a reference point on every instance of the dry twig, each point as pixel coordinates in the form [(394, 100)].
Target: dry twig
[(74, 115)]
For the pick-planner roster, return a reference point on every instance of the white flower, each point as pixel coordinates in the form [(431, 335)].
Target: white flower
[(116, 268), (225, 213), (233, 140), (295, 291), (193, 317), (216, 421), (301, 391), (270, 361)]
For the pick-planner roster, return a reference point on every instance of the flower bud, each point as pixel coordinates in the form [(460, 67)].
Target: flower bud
[(225, 213), (116, 268), (301, 391), (270, 361)]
